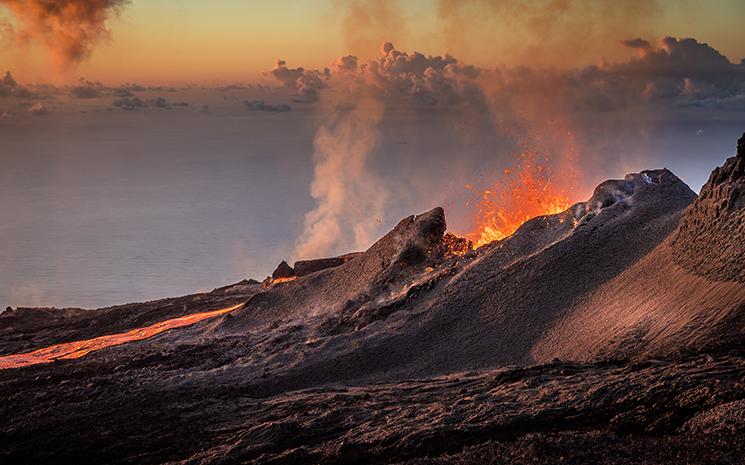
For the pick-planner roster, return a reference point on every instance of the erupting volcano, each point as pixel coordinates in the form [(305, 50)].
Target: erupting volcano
[(473, 232), (529, 190), (413, 344)]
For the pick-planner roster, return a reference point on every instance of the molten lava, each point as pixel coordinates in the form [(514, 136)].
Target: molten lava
[(77, 349), (456, 246), (527, 192)]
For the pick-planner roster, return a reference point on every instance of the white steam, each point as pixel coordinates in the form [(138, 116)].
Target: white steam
[(350, 199)]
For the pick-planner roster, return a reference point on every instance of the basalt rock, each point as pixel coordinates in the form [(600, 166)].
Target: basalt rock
[(306, 267), (283, 270), (710, 240)]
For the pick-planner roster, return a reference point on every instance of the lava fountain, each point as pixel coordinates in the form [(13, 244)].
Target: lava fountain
[(529, 190)]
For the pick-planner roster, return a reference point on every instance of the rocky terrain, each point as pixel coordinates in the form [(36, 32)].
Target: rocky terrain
[(609, 333)]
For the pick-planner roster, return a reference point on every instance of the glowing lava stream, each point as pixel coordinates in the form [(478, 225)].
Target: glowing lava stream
[(77, 349)]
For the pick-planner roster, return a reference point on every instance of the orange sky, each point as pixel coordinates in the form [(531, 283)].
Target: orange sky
[(192, 41)]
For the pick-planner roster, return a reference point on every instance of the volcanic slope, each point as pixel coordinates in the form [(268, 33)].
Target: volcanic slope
[(321, 369), (405, 308), (688, 294)]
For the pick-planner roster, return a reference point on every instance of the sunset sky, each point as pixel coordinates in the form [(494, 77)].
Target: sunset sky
[(186, 41), (313, 127)]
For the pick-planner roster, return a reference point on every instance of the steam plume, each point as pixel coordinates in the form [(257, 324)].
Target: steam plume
[(69, 29), (565, 119), (350, 199)]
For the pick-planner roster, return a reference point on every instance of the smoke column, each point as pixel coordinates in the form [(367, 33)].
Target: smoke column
[(350, 199), (69, 29)]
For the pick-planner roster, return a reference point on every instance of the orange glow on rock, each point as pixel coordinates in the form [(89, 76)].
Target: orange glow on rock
[(528, 191)]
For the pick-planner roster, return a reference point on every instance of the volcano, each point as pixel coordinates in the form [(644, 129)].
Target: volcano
[(610, 332)]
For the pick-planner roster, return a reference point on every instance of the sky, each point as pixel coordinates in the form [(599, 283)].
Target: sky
[(185, 41), (156, 148)]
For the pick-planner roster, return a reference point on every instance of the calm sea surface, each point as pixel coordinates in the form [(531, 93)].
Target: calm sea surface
[(96, 211)]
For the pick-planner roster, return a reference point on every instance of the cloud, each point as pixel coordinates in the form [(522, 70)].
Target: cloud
[(88, 89), (7, 84), (675, 56), (259, 105), (129, 103), (9, 87), (541, 110), (70, 29), (678, 71), (306, 83), (38, 109), (135, 103), (669, 70), (393, 74), (638, 44)]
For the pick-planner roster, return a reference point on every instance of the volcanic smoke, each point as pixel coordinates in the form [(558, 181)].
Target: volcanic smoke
[(69, 29)]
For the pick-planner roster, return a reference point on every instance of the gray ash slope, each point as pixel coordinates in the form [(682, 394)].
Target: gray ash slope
[(383, 315), (629, 330)]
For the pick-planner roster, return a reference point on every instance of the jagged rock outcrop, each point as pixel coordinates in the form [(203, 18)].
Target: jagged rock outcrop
[(305, 267), (364, 276), (710, 240), (282, 271), (685, 295)]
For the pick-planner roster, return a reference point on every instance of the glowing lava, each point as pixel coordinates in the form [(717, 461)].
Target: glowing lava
[(77, 349), (524, 193)]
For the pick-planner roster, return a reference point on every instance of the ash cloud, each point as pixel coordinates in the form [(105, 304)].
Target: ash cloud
[(69, 29)]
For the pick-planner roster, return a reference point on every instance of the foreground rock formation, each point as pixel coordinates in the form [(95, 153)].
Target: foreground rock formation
[(609, 333)]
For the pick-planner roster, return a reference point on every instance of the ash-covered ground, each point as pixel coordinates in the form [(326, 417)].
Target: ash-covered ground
[(609, 333)]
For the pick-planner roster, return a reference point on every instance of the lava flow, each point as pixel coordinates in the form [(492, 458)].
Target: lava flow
[(525, 193), (77, 349)]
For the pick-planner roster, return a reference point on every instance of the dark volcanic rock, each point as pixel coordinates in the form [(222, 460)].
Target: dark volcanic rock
[(305, 267), (283, 270), (25, 329), (710, 240), (388, 263), (661, 412)]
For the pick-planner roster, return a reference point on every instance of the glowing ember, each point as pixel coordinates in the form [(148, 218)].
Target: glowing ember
[(525, 193), (269, 282), (456, 246), (77, 349)]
